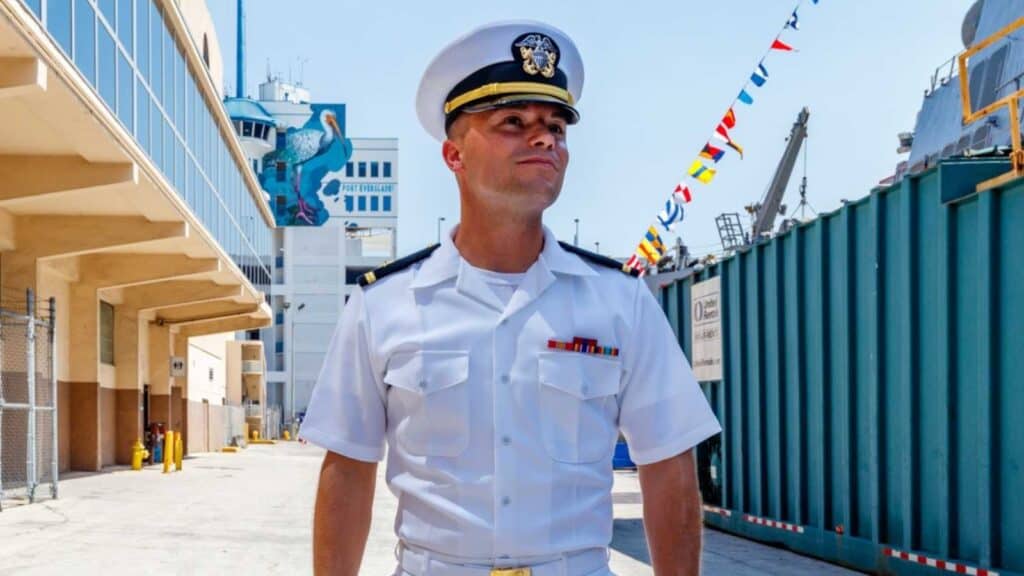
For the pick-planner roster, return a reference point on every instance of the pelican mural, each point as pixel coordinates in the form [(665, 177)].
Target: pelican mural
[(295, 171)]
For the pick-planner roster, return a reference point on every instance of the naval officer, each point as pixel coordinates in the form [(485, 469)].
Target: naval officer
[(499, 366)]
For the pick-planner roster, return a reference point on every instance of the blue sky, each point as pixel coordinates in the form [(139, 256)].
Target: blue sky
[(659, 76)]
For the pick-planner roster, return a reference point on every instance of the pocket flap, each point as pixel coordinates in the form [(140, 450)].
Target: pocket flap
[(427, 371), (584, 376)]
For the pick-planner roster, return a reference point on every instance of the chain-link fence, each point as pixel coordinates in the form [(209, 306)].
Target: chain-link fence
[(272, 421), (234, 426), (28, 403)]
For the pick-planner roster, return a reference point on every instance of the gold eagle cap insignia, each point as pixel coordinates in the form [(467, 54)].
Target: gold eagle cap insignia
[(538, 52)]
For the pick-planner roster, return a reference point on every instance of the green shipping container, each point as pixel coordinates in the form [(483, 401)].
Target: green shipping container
[(872, 380)]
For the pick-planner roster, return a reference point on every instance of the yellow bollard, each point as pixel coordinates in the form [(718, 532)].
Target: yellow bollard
[(168, 450), (139, 453), (179, 451), (286, 435)]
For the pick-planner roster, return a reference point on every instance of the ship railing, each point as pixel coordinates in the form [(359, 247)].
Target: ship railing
[(1010, 102), (943, 74)]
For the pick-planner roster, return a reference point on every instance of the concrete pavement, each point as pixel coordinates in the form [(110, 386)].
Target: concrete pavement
[(250, 513)]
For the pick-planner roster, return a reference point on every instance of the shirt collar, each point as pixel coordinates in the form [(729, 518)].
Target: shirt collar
[(443, 264)]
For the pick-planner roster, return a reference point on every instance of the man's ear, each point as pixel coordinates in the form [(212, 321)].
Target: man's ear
[(452, 156)]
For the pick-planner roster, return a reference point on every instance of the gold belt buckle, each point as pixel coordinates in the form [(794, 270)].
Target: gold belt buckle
[(511, 572)]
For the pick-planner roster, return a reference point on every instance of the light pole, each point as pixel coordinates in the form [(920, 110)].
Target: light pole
[(576, 235), (597, 247), (291, 362), (439, 220)]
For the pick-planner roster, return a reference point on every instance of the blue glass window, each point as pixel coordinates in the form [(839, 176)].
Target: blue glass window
[(193, 118), (107, 67), (180, 71), (348, 170), (387, 203), (362, 203), (125, 81), (108, 7), (58, 22), (142, 110), (168, 163), (171, 103), (362, 169), (387, 169), (156, 139), (169, 51), (142, 37), (85, 40), (374, 169), (348, 203), (124, 24), (156, 26), (36, 6), (374, 204)]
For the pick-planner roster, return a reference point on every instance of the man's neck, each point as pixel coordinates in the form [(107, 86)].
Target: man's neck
[(508, 245)]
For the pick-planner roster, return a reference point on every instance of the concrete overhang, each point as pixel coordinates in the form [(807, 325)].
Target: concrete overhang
[(80, 195), (177, 293), (222, 324)]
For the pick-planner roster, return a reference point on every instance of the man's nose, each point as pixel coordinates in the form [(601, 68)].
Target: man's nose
[(542, 138)]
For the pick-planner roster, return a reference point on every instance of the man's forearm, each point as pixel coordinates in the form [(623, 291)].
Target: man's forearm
[(341, 518), (672, 515)]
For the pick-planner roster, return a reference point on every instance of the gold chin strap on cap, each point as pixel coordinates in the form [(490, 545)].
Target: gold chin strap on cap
[(501, 88), (511, 572)]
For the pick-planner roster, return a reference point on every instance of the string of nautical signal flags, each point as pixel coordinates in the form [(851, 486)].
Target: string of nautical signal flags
[(704, 168)]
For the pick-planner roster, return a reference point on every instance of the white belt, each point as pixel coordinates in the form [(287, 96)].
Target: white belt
[(419, 562)]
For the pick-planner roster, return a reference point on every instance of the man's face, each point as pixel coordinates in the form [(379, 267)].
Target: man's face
[(512, 158)]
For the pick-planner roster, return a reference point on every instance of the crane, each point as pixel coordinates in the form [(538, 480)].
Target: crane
[(765, 211)]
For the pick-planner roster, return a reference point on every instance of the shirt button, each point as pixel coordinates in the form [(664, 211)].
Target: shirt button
[(423, 384), (505, 379), (506, 440), (506, 501)]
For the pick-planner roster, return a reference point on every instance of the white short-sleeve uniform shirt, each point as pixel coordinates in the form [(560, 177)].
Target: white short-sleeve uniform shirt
[(499, 446)]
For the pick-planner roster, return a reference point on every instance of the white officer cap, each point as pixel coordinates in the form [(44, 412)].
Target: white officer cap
[(499, 64)]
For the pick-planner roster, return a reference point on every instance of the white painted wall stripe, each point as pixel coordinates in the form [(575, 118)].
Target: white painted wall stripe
[(716, 510), (773, 524), (939, 564)]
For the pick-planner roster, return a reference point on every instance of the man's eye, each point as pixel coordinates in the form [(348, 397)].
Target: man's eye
[(557, 129), (513, 121)]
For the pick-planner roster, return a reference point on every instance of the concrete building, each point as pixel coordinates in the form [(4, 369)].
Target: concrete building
[(332, 227), (321, 265), (127, 197)]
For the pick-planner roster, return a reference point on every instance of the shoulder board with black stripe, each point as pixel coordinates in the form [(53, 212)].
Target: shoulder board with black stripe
[(396, 266), (599, 259)]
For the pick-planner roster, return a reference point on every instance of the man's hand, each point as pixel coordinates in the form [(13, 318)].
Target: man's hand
[(341, 519), (672, 515)]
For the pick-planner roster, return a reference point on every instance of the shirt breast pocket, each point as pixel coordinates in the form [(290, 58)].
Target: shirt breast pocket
[(578, 405), (429, 397)]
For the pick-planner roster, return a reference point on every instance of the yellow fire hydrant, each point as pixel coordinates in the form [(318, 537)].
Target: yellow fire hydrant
[(139, 453), (179, 451), (286, 435)]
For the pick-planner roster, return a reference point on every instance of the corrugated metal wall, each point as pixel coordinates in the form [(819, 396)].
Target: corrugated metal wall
[(873, 390)]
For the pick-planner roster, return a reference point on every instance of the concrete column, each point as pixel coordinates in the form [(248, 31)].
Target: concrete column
[(128, 424), (179, 391), (159, 373), (85, 407)]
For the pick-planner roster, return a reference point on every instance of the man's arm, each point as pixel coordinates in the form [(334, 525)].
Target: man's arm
[(673, 515), (341, 518)]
